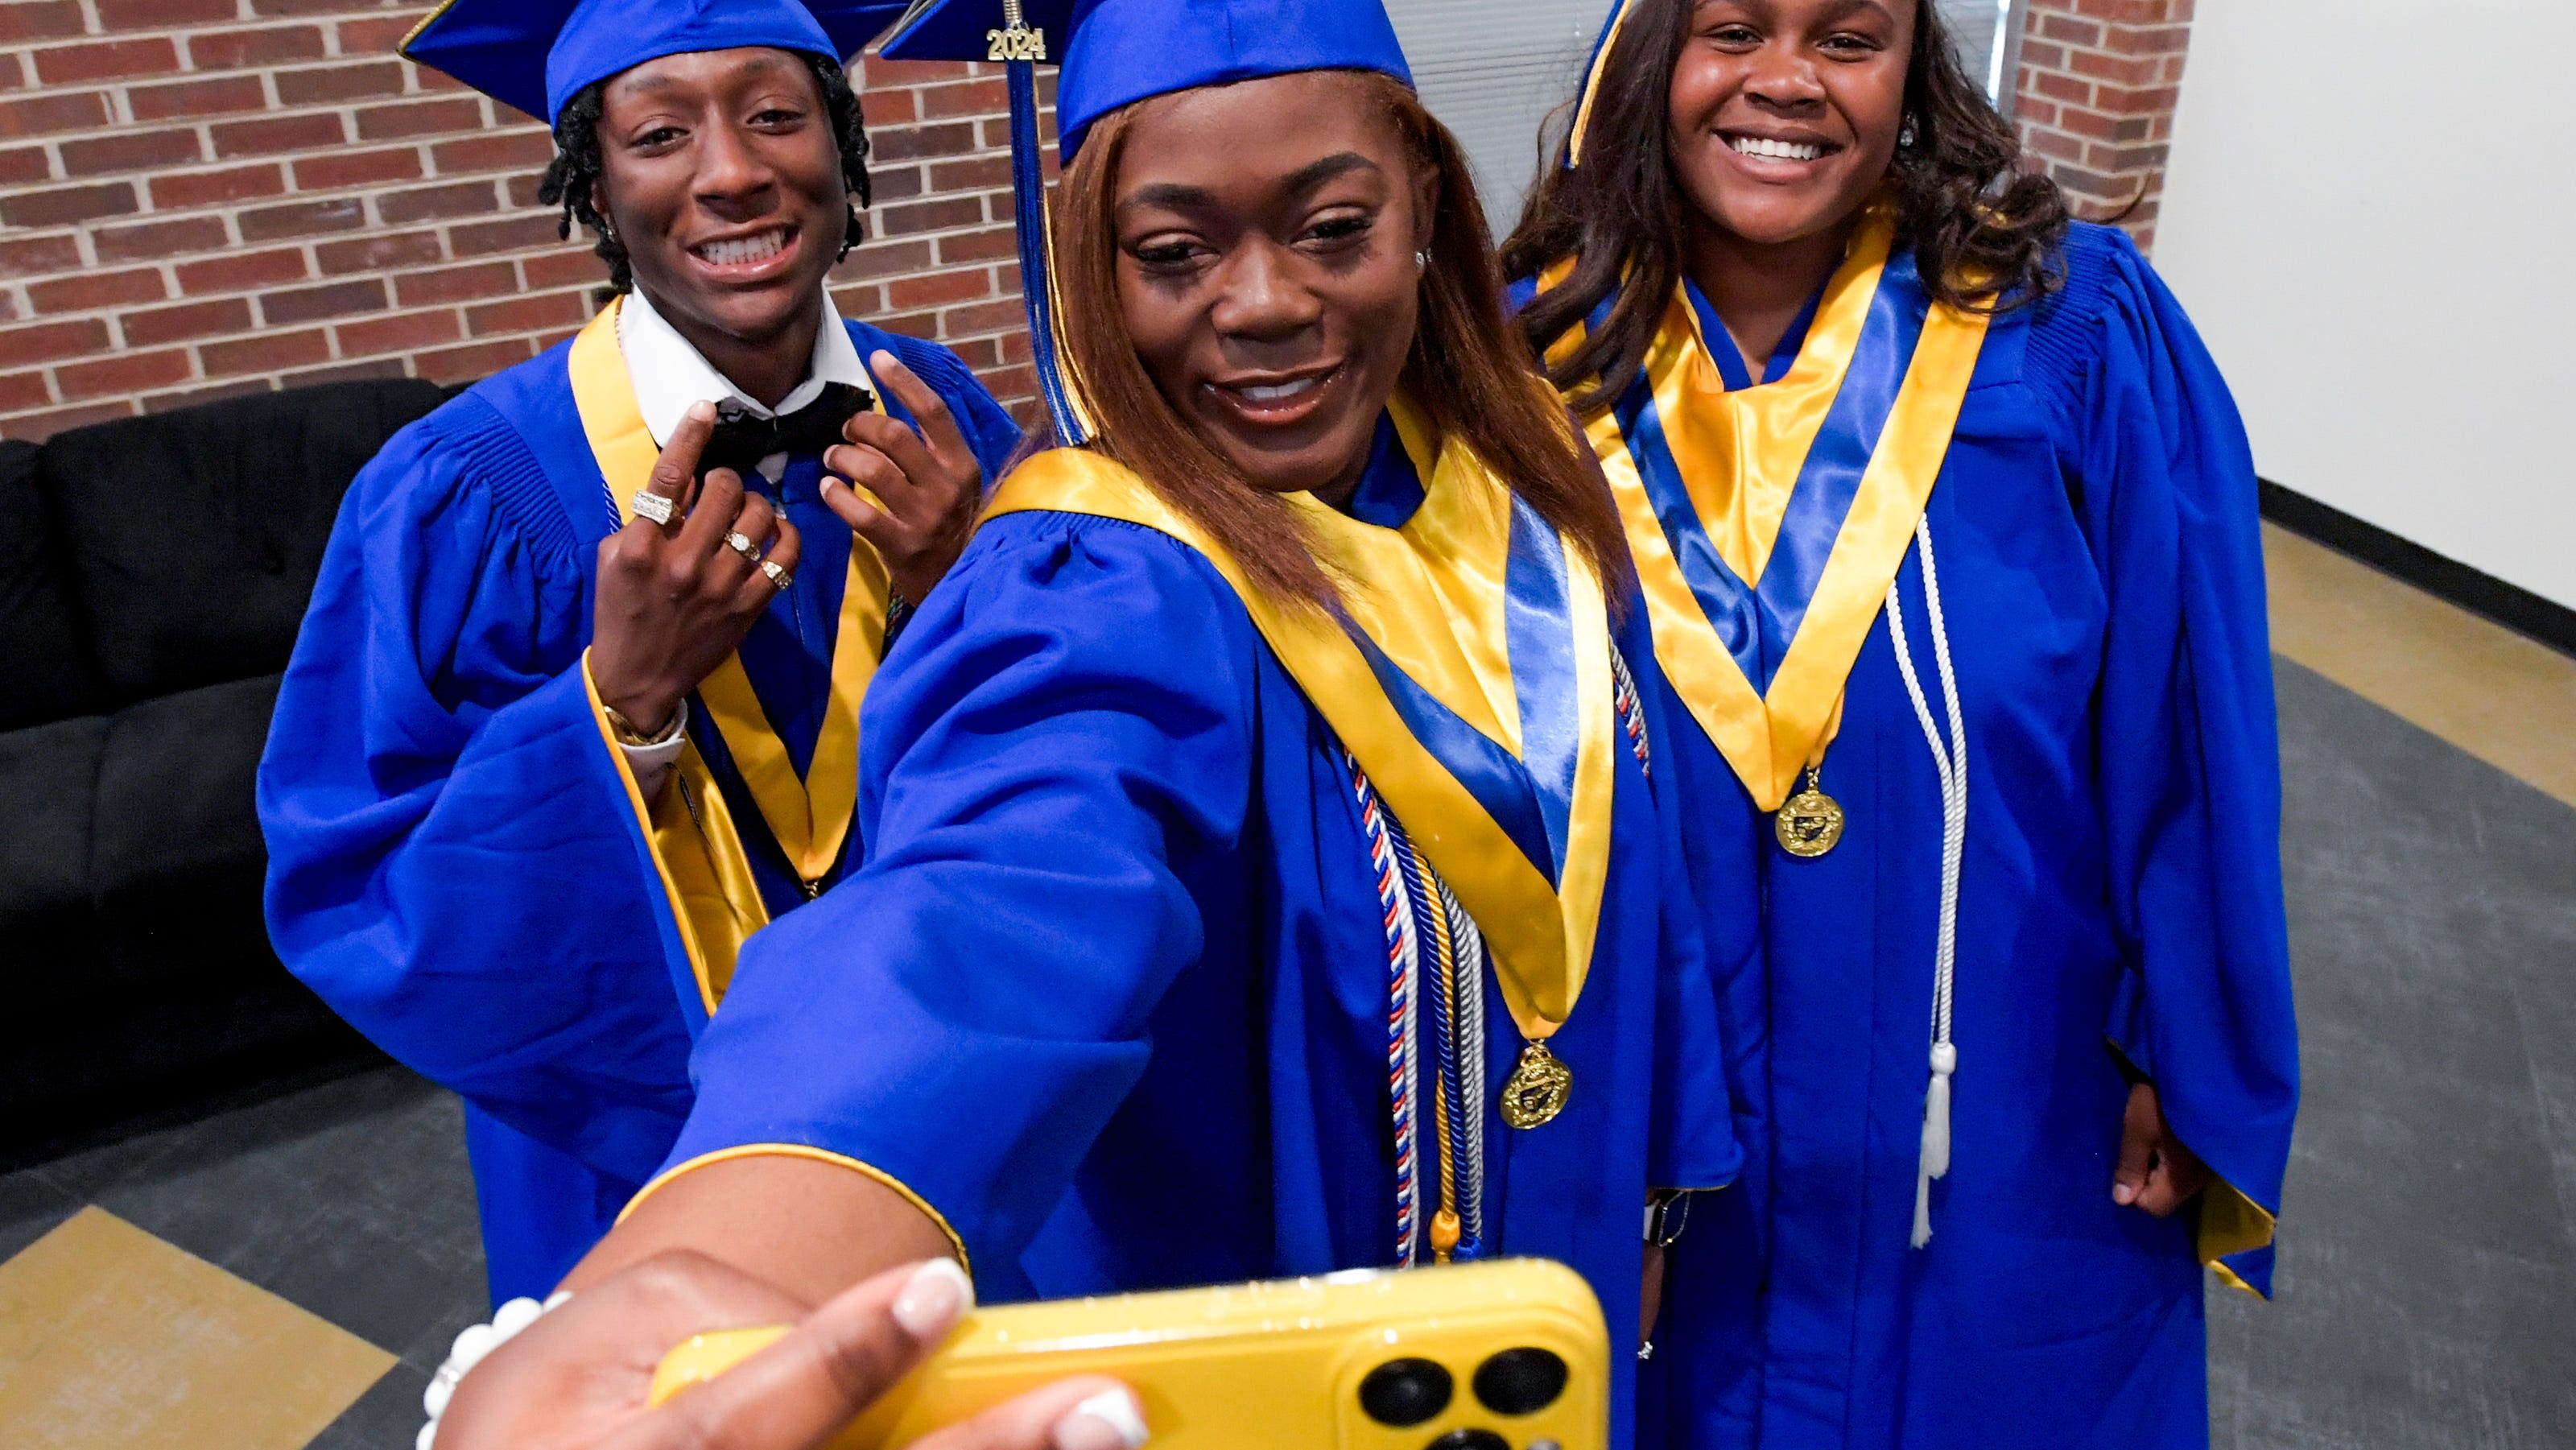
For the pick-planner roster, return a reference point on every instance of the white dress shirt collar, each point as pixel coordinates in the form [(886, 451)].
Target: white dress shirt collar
[(669, 374)]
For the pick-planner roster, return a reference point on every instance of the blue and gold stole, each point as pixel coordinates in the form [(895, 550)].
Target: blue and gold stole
[(1469, 673), (706, 875), (1767, 523)]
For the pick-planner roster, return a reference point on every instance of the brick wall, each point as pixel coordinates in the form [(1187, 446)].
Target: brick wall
[(2098, 83), (207, 197)]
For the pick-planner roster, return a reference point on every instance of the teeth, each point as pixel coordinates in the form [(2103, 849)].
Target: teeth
[(1777, 150), (1273, 392), (748, 249)]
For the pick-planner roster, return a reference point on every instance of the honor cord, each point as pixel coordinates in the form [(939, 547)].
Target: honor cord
[(1470, 955), (1404, 1015), (1951, 762), (1419, 912)]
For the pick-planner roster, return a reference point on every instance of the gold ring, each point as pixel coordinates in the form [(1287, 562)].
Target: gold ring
[(777, 573), (740, 543)]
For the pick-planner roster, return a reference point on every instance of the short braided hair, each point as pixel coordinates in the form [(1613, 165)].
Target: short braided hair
[(572, 177)]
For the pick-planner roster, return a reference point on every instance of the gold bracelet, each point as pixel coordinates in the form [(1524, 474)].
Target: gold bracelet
[(629, 734)]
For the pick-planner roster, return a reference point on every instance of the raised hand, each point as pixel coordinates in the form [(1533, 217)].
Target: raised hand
[(675, 598), (928, 483)]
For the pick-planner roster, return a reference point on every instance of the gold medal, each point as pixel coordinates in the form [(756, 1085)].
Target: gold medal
[(1810, 822), (1536, 1092)]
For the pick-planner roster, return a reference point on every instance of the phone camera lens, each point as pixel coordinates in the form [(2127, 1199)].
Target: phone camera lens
[(1405, 1392), (1471, 1440), (1520, 1381)]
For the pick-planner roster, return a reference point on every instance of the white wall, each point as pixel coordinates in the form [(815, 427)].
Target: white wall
[(1492, 70), (2369, 216)]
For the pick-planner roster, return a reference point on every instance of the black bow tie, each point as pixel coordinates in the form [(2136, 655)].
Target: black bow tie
[(740, 440)]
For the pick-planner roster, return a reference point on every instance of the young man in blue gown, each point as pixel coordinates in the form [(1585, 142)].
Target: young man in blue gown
[(574, 710)]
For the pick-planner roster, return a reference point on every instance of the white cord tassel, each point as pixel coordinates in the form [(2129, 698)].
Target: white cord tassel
[(1936, 1138), (1950, 761)]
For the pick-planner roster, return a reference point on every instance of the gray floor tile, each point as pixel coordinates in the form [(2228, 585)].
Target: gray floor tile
[(387, 1417), (351, 1199), (30, 1206), (2427, 1263), (2424, 1344)]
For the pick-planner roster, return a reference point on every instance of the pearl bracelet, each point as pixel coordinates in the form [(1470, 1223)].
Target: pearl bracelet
[(477, 1341)]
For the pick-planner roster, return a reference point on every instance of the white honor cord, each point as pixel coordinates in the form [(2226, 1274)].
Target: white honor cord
[(1950, 760)]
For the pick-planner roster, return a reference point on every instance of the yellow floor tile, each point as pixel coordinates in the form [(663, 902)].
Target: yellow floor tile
[(2501, 697), (111, 1339)]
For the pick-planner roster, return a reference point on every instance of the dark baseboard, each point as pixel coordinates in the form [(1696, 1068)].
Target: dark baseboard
[(2515, 608)]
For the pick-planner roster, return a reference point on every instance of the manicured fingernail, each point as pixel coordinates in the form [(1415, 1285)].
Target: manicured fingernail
[(936, 1296), (1109, 1420), (2123, 1195), (827, 485), (702, 412)]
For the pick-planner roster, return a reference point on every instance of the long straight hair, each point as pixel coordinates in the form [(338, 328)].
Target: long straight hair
[(1983, 231), (1469, 370)]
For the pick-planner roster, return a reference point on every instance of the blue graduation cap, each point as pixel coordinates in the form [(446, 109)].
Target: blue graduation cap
[(1113, 53), (538, 54), (1592, 81)]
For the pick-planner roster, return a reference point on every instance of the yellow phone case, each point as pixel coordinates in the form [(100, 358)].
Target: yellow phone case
[(1506, 1355)]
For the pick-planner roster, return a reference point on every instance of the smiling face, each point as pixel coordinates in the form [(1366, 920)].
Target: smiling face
[(1785, 113), (1265, 235), (722, 176)]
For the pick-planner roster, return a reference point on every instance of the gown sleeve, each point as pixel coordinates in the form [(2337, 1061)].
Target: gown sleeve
[(2190, 782), (450, 863), (959, 1020)]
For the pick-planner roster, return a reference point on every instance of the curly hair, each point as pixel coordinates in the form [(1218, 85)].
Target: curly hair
[(1984, 232), (572, 178)]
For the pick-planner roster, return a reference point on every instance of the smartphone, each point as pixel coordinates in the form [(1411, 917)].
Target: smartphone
[(1505, 1355)]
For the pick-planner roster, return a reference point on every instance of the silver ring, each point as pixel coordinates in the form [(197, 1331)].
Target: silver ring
[(740, 543), (651, 505), (778, 574)]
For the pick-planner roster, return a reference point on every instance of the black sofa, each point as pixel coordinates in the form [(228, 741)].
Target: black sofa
[(153, 572)]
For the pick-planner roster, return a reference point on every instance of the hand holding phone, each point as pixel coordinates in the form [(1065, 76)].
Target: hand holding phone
[(578, 1377), (1507, 1355)]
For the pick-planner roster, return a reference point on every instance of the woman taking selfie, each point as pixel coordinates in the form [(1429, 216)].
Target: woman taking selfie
[(1266, 872), (575, 706), (1946, 525)]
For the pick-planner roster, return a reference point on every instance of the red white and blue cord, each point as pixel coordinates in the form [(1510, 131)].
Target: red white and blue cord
[(1403, 1017), (1433, 951), (1631, 709)]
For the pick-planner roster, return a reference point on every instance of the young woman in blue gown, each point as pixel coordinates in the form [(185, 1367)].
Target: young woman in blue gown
[(1271, 864), (1946, 525), (541, 761)]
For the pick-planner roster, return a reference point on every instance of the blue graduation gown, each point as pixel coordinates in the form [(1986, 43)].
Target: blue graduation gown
[(2095, 531), (1110, 999), (454, 863)]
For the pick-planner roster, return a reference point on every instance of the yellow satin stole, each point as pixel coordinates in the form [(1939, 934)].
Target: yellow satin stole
[(1431, 596), (1743, 457)]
